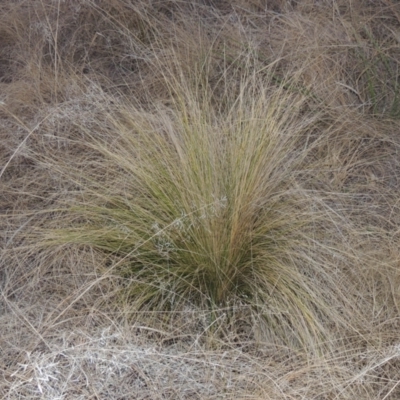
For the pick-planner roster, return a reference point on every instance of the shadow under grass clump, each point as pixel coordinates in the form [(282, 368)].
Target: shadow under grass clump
[(210, 208)]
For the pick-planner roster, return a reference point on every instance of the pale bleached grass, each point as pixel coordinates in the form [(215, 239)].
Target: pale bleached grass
[(102, 358), (194, 81)]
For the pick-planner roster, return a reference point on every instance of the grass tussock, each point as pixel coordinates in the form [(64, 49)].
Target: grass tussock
[(209, 207), (199, 200)]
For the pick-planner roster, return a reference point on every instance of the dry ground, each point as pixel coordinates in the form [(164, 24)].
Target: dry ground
[(70, 71)]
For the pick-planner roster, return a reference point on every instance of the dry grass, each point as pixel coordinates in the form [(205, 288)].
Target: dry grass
[(199, 201)]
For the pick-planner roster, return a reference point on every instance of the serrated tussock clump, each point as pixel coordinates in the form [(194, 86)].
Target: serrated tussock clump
[(214, 207)]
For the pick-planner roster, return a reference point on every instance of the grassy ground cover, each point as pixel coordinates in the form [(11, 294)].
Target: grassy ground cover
[(199, 200)]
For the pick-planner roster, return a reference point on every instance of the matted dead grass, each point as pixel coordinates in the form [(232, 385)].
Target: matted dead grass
[(77, 77)]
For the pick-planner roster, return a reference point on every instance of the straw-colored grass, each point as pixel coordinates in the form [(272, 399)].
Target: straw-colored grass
[(199, 201)]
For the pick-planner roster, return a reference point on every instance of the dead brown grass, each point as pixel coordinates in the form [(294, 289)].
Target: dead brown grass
[(65, 67)]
